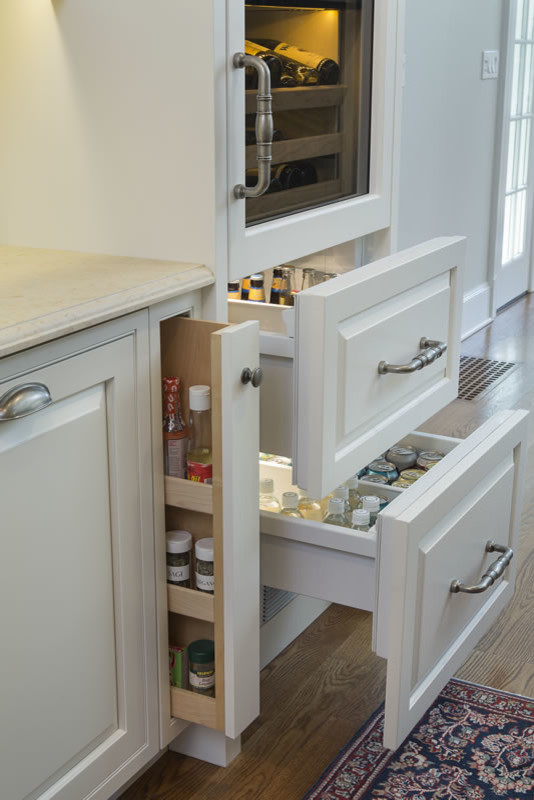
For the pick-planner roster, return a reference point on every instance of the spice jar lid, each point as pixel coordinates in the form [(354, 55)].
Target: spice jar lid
[(179, 541), (266, 486), (202, 651), (204, 549), (199, 398)]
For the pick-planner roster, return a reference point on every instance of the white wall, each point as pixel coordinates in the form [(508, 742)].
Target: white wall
[(98, 159), (448, 133)]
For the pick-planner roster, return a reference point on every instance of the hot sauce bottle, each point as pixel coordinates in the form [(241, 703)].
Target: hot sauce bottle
[(199, 457), (175, 435)]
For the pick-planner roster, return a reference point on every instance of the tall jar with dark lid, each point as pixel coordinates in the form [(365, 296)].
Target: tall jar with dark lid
[(179, 545)]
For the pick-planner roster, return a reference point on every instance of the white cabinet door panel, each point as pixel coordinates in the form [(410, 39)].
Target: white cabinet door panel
[(345, 412), (433, 534)]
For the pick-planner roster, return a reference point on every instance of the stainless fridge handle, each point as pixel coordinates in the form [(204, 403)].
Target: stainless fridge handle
[(264, 126), (494, 571), (22, 400), (430, 351)]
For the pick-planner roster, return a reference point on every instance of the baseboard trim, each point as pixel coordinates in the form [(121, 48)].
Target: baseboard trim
[(476, 310)]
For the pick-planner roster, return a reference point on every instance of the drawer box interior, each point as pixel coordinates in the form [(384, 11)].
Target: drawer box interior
[(326, 561)]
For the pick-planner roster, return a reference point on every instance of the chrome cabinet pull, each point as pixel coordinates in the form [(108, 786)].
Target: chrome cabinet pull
[(23, 400), (255, 377), (494, 571), (264, 126), (430, 351)]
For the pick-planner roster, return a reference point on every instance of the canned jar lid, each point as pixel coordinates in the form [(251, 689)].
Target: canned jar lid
[(371, 502), (204, 549), (290, 500), (202, 651), (266, 486), (199, 398), (342, 492), (352, 483), (336, 505), (179, 541), (361, 516)]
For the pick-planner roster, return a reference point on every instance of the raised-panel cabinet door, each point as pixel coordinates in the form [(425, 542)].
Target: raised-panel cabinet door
[(433, 538), (364, 376), (75, 664)]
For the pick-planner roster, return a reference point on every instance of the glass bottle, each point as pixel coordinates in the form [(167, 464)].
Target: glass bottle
[(342, 493), (256, 293), (336, 514), (268, 501), (276, 285), (310, 508), (199, 457), (371, 503), (360, 520), (290, 505), (175, 434), (287, 296), (245, 288), (308, 278)]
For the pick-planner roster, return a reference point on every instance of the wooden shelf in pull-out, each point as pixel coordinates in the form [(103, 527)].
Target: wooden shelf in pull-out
[(190, 602), (193, 707), (299, 149), (189, 494), (299, 97)]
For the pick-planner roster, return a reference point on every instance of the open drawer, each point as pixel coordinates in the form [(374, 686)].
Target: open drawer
[(323, 400), (431, 534), (200, 352)]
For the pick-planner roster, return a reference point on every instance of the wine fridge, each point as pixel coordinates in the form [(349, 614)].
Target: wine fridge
[(317, 57)]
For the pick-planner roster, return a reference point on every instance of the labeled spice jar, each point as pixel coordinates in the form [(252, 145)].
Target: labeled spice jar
[(204, 565), (179, 546), (202, 667)]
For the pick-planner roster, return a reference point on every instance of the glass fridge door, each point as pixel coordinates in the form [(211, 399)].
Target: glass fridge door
[(319, 55)]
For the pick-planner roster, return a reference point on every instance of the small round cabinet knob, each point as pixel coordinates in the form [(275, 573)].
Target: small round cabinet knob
[(253, 376)]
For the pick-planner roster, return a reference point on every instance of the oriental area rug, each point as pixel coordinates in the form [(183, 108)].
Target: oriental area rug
[(474, 743)]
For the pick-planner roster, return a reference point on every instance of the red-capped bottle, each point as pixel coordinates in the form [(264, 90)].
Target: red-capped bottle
[(175, 434)]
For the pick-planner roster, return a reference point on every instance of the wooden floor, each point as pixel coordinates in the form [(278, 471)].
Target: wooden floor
[(318, 692)]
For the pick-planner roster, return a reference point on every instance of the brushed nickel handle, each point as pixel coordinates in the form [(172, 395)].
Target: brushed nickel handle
[(494, 571), (255, 377), (264, 126), (431, 350), (28, 398)]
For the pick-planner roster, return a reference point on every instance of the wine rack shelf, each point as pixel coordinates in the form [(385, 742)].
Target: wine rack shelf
[(292, 199), (190, 603), (300, 97), (194, 707), (189, 494), (299, 149)]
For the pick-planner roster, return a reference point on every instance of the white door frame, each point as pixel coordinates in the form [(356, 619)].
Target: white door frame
[(501, 153)]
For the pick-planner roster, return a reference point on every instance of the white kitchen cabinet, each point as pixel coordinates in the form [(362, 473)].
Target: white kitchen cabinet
[(429, 536), (79, 689)]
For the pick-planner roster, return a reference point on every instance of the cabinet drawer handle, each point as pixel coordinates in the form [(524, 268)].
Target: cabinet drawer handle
[(23, 400), (255, 377), (494, 571), (430, 351), (264, 126)]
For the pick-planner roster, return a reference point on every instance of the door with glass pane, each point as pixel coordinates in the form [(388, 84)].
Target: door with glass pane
[(514, 229), (325, 177)]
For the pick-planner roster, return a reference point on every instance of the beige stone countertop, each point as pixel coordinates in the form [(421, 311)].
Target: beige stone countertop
[(45, 294)]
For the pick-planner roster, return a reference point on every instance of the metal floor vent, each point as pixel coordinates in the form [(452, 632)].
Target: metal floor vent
[(273, 601), (479, 375)]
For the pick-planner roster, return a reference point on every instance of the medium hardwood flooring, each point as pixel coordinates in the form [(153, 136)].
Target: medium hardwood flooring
[(319, 691)]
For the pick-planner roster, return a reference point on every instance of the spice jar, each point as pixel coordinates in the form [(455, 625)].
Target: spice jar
[(179, 545), (202, 667), (204, 565)]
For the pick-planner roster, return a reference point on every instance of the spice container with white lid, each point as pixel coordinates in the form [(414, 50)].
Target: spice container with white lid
[(204, 565), (179, 545)]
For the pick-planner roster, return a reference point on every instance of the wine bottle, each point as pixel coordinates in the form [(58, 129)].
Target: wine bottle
[(327, 68), (299, 74), (289, 175), (273, 62)]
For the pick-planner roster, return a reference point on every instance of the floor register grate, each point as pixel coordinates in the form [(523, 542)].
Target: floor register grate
[(479, 375)]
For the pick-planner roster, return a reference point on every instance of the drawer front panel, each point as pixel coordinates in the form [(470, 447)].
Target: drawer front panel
[(345, 412), (433, 534)]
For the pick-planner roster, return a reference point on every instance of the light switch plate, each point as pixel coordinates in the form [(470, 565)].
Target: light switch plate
[(490, 64)]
